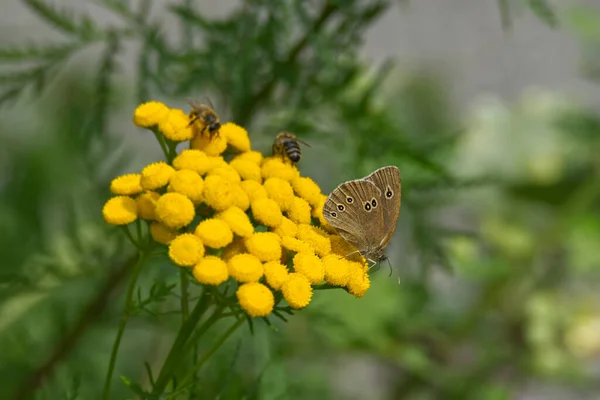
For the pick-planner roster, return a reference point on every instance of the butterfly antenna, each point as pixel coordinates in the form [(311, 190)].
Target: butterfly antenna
[(391, 270)]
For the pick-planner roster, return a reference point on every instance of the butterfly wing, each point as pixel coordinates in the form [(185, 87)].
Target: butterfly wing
[(387, 179), (354, 210)]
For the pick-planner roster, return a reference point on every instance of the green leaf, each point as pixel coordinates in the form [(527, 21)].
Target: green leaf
[(36, 52), (82, 27), (544, 11)]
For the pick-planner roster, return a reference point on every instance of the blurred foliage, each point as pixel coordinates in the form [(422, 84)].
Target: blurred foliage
[(507, 199)]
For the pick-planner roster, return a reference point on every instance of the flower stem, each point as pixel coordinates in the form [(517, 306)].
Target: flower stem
[(161, 142), (185, 311), (124, 318), (211, 351), (130, 237)]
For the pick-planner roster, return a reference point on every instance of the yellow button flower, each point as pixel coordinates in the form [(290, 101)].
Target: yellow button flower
[(240, 198), (126, 185), (307, 189), (359, 281), (254, 156), (337, 270), (146, 205), (226, 171), (214, 233), (286, 228), (275, 274), (120, 210), (308, 234), (175, 126), (211, 270), (273, 167), (264, 245), (156, 175), (188, 183), (219, 193), (174, 210), (234, 248), (317, 212), (186, 250), (246, 169), (149, 114), (254, 190), (295, 245), (267, 212), (310, 266), (236, 136), (194, 160), (297, 290), (256, 299), (212, 147), (161, 233), (299, 211), (237, 220), (245, 268), (280, 191)]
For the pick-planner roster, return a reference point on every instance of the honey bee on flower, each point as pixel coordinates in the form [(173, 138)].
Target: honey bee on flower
[(206, 115)]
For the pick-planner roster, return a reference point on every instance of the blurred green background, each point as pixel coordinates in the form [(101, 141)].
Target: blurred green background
[(498, 241)]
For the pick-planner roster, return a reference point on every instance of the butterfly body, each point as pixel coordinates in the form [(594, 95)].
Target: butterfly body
[(364, 211)]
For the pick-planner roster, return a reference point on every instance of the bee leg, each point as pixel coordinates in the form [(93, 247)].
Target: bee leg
[(192, 121)]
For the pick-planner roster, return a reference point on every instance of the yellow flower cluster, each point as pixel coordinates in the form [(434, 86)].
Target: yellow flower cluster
[(227, 212)]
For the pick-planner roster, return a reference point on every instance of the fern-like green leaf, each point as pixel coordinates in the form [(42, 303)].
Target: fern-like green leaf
[(544, 11), (34, 52)]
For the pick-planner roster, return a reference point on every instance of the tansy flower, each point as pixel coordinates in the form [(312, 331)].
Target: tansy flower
[(174, 210), (211, 270), (311, 236), (146, 205), (186, 250), (286, 228), (120, 210), (219, 192), (256, 299), (175, 126), (295, 245), (237, 220), (254, 190), (149, 114), (273, 167), (317, 212), (214, 233), (156, 175), (234, 248), (264, 245), (266, 211), (275, 274), (280, 191), (226, 171), (211, 146), (240, 198), (359, 282), (298, 210), (307, 189), (337, 270), (297, 291), (216, 162), (254, 156), (236, 136), (344, 249), (310, 266), (188, 183), (194, 160), (245, 268), (161, 233), (247, 169), (126, 185)]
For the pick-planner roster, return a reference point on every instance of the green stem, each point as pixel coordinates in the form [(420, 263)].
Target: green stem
[(174, 356), (138, 227), (161, 142), (216, 315), (210, 352), (185, 311), (130, 237), (124, 319)]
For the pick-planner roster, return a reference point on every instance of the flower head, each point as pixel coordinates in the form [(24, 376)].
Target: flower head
[(296, 245), (236, 136), (174, 210), (245, 268), (314, 238), (267, 212), (219, 193), (226, 171), (280, 191), (146, 205), (358, 282), (211, 146), (120, 210), (188, 183), (175, 126), (161, 233), (256, 299), (234, 248), (237, 220), (286, 228), (264, 245), (275, 274), (299, 210), (255, 157), (337, 270), (310, 266), (211, 270), (214, 233), (186, 250), (194, 160), (297, 290), (149, 114), (247, 169), (307, 189), (156, 175), (273, 167), (254, 190), (126, 185)]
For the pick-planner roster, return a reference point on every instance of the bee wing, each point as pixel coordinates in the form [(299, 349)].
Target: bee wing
[(303, 142), (210, 103)]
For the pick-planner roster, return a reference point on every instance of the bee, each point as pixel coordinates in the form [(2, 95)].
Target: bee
[(206, 115), (286, 144)]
